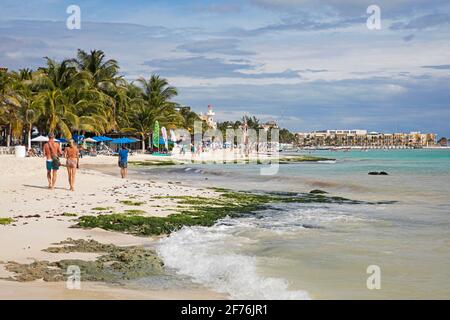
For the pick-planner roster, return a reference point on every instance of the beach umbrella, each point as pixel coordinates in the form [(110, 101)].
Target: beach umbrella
[(124, 141), (156, 134), (106, 139), (90, 140), (102, 139), (43, 139), (40, 139), (77, 137)]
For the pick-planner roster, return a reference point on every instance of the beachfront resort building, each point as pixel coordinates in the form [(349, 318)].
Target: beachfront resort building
[(363, 138), (269, 125), (209, 117)]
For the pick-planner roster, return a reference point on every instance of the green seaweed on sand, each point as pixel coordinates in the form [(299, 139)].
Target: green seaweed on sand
[(68, 214), (294, 159), (318, 191), (281, 160), (113, 265), (203, 211), (134, 212), (151, 163), (217, 189), (5, 221), (193, 201), (132, 203), (102, 208)]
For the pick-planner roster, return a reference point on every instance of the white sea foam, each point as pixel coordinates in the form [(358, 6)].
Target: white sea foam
[(208, 255), (219, 256), (294, 217)]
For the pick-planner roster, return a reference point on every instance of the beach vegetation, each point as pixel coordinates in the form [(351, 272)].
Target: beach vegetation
[(6, 221), (102, 208), (132, 203), (134, 212), (154, 163), (318, 191), (296, 159), (68, 214)]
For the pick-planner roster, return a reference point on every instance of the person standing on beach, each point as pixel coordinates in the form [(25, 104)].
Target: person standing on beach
[(72, 155), (123, 161), (52, 152)]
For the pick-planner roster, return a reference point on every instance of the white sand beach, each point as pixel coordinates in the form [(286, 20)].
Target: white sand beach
[(38, 223)]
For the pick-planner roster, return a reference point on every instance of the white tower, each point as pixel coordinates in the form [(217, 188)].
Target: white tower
[(210, 117)]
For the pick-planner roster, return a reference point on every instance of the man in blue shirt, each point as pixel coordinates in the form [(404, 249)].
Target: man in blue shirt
[(123, 161)]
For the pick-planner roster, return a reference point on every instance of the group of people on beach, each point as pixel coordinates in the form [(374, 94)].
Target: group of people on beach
[(53, 152)]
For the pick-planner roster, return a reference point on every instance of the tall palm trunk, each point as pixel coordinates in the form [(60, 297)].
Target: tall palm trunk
[(143, 142), (30, 128), (8, 136)]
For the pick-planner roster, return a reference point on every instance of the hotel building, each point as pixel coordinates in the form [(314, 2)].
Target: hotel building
[(363, 138)]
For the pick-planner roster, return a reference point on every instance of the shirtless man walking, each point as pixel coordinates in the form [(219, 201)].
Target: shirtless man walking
[(52, 150)]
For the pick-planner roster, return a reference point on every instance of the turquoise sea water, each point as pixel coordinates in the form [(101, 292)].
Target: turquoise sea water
[(272, 255)]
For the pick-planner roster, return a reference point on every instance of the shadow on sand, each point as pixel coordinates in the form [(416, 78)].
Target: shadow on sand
[(42, 187)]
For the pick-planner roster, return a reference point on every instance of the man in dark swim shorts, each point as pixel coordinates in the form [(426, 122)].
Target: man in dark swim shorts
[(52, 150), (123, 161)]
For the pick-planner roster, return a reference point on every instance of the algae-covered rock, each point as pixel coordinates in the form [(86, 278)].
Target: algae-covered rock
[(376, 173), (297, 159), (150, 163), (34, 271), (80, 245), (116, 263), (317, 191)]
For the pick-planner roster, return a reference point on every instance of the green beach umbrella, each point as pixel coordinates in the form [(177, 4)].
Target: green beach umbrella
[(156, 134)]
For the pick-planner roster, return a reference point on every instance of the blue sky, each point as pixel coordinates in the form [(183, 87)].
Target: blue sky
[(307, 64)]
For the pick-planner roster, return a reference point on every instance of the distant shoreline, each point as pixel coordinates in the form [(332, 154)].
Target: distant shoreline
[(328, 148)]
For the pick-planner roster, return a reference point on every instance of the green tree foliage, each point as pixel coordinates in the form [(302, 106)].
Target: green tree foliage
[(84, 95)]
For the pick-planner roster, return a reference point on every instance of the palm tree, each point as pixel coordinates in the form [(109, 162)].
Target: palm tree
[(157, 92), (85, 94), (252, 122), (56, 112), (30, 113), (141, 120), (154, 105), (30, 110), (69, 101), (9, 105), (103, 76), (104, 73), (127, 97), (189, 118), (56, 75)]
